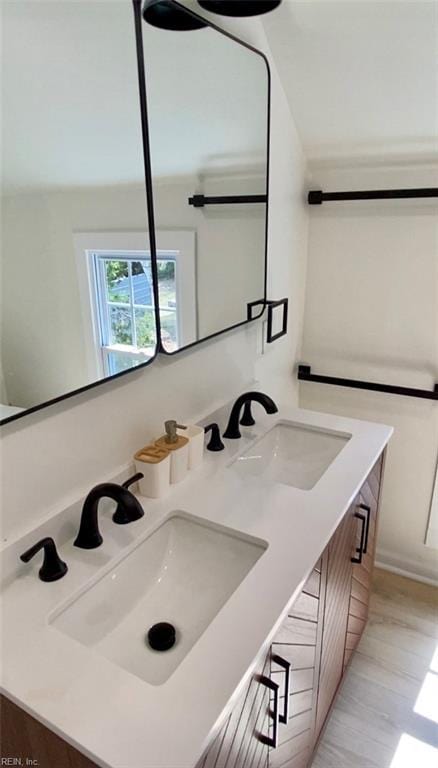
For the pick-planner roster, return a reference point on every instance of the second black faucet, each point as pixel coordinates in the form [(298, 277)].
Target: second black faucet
[(232, 431), (128, 510)]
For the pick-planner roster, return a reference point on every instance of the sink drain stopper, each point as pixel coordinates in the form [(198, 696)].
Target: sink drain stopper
[(161, 636)]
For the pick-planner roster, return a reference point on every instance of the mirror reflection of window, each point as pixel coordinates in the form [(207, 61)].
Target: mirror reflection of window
[(126, 308), (117, 296), (126, 311), (169, 315)]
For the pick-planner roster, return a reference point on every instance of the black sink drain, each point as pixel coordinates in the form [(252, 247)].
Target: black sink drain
[(162, 636)]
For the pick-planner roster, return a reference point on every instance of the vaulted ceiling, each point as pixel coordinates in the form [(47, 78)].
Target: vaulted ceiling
[(361, 76)]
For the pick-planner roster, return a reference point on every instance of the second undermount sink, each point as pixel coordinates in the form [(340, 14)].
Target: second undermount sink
[(293, 454), (182, 574)]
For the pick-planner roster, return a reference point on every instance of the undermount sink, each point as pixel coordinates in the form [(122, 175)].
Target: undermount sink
[(292, 454), (183, 574)]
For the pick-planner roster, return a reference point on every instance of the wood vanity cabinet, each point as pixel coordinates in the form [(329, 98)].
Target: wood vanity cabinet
[(293, 687), (26, 739), (243, 739), (299, 641), (317, 639), (367, 503)]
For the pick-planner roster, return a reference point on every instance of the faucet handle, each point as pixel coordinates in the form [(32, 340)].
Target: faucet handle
[(53, 567), (215, 443), (132, 480)]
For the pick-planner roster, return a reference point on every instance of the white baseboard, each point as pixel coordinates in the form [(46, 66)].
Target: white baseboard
[(425, 573)]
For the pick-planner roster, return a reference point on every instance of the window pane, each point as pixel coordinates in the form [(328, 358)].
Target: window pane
[(117, 279), (118, 361), (120, 322), (145, 327), (169, 330), (167, 282), (142, 283)]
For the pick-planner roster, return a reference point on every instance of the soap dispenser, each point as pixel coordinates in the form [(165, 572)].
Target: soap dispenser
[(178, 446)]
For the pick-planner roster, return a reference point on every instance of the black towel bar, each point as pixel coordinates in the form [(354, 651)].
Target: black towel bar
[(317, 197), (305, 374), (198, 201)]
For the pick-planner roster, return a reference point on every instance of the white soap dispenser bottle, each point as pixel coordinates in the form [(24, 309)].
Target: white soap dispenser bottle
[(178, 447)]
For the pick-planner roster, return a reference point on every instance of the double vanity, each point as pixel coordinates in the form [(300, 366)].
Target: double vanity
[(260, 561)]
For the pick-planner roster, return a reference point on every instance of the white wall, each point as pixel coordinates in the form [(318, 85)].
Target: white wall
[(372, 313), (229, 244), (49, 457)]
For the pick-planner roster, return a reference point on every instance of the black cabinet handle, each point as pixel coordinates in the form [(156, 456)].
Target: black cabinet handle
[(367, 510), (360, 549), (286, 666), (271, 741)]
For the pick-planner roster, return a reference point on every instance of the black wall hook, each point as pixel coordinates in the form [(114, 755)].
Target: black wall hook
[(271, 336)]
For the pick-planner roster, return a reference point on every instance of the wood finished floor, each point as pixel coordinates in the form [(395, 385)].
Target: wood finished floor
[(373, 724)]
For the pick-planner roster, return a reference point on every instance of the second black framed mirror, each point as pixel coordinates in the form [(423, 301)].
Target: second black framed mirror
[(208, 119)]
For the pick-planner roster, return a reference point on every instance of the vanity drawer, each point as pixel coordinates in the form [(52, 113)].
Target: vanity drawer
[(358, 609), (312, 585), (299, 656), (301, 760), (238, 743), (300, 702), (296, 724), (351, 641), (358, 591), (347, 656), (355, 625), (293, 753), (305, 607), (300, 680), (297, 631)]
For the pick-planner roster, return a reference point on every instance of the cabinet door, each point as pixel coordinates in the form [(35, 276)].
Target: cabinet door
[(368, 503), (337, 599), (298, 642), (241, 741)]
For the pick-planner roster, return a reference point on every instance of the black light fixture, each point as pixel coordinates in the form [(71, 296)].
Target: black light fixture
[(165, 14), (239, 7)]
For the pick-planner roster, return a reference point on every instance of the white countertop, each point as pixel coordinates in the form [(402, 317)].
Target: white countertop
[(114, 717)]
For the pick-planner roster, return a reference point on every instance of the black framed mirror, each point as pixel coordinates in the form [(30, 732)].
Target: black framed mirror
[(208, 105), (77, 302)]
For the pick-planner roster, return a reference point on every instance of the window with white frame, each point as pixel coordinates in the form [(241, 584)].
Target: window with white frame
[(125, 304), (118, 300)]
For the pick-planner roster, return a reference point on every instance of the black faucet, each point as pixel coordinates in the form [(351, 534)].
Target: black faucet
[(232, 431), (129, 509), (53, 568)]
